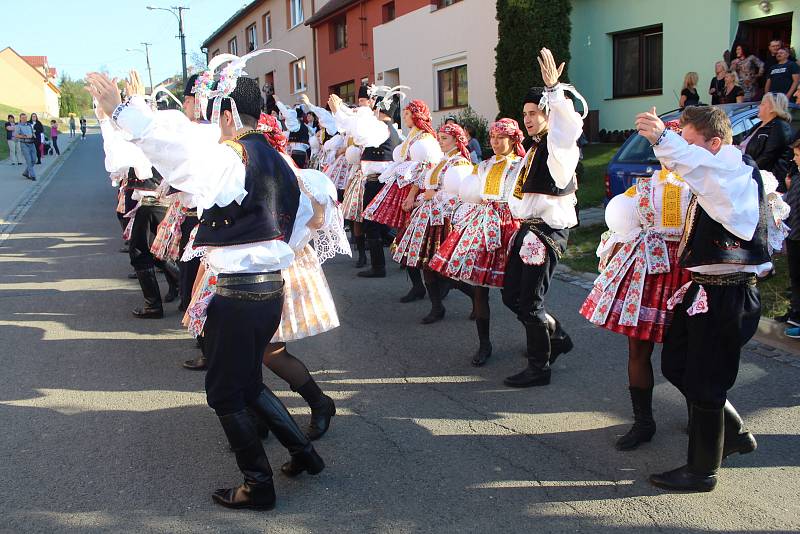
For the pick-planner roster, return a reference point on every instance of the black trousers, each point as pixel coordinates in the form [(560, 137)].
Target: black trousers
[(372, 229), (525, 286), (236, 334), (188, 269), (701, 352), (145, 226), (793, 259), (54, 139)]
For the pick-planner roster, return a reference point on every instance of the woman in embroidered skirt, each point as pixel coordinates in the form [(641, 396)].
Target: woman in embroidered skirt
[(430, 221), (638, 274), (476, 250)]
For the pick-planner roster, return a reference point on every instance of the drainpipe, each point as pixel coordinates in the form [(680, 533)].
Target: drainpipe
[(314, 55)]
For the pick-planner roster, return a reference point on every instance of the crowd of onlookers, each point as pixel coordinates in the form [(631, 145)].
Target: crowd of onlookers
[(29, 140)]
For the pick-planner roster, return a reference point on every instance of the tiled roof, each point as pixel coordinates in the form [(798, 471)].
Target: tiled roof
[(52, 72), (329, 9), (36, 61)]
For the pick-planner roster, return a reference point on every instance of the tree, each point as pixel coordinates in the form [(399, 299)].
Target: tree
[(74, 98), (524, 28)]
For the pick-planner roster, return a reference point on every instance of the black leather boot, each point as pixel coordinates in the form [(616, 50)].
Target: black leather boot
[(322, 409), (706, 429), (737, 438), (435, 295), (643, 424), (377, 260), (200, 363), (153, 308), (537, 373), (485, 347), (172, 273), (362, 251), (257, 492), (417, 291), (274, 414), (560, 342)]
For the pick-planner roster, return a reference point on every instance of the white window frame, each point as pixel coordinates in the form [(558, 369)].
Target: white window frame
[(298, 86), (235, 48), (253, 32), (267, 27), (296, 13)]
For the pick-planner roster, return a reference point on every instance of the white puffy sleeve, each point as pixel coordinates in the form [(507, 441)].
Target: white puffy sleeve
[(623, 222), (188, 155), (453, 177), (426, 150), (289, 117), (329, 237), (564, 128), (470, 189), (325, 117), (362, 125), (121, 154)]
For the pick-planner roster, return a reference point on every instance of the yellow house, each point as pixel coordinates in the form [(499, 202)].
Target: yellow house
[(28, 83)]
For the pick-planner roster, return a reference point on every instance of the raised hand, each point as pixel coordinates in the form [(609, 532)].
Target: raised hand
[(334, 102), (104, 91), (133, 85), (649, 125), (547, 64), (304, 98)]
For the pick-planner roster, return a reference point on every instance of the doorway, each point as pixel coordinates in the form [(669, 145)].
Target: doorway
[(756, 34)]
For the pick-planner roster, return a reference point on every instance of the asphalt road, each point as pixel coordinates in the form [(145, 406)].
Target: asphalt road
[(102, 431)]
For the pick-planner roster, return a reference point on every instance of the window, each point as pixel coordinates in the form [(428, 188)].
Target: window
[(638, 62), (445, 3), (250, 35), (453, 87), (232, 48), (295, 10), (215, 53), (339, 33), (388, 12), (266, 23), (298, 75), (346, 91)]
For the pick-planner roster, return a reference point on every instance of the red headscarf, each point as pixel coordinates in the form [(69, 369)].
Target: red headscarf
[(269, 126), (510, 129), (461, 138), (421, 116)]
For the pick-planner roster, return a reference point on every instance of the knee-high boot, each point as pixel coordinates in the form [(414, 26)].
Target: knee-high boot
[(417, 290), (737, 438), (377, 259), (433, 285), (560, 342), (322, 409), (272, 411), (173, 274), (537, 373), (361, 247), (485, 347), (706, 430), (643, 424), (257, 491), (153, 308)]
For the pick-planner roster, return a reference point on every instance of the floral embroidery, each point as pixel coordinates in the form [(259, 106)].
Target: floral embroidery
[(532, 251)]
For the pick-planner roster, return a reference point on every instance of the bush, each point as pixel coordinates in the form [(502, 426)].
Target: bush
[(468, 117), (524, 28)]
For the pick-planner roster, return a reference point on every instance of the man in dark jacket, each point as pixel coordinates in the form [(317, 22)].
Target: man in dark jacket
[(792, 197)]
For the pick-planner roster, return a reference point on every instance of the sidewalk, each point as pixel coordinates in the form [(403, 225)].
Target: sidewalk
[(15, 188)]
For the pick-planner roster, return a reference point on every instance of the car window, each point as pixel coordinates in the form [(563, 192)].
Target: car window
[(741, 129), (637, 150)]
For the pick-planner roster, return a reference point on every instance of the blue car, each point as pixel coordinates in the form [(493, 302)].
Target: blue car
[(635, 158)]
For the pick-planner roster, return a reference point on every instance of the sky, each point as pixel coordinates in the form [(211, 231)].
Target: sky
[(79, 36)]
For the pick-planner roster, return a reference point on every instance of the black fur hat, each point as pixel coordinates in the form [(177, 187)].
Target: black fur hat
[(534, 95)]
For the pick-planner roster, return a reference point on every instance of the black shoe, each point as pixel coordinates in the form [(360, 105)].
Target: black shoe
[(681, 479), (322, 409), (132, 276), (307, 460), (644, 427), (737, 439), (152, 308), (529, 377), (198, 364), (433, 316), (32, 178), (361, 261), (26, 175), (415, 293), (125, 250), (373, 273), (560, 346), (148, 313), (172, 294), (790, 317), (484, 351)]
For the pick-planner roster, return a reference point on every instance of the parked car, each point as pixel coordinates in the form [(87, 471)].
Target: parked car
[(635, 158)]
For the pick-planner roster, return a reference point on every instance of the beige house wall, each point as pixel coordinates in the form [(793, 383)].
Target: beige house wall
[(412, 48), (299, 40), (24, 87)]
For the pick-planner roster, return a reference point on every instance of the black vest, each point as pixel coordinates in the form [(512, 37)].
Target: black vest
[(300, 136), (539, 180), (385, 151), (150, 184), (270, 207), (707, 242)]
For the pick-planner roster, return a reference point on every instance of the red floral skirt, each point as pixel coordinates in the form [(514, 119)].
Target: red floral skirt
[(654, 318), (418, 253), (388, 209), (467, 254)]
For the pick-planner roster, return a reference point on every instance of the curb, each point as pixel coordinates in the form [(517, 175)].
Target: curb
[(768, 341), (27, 199)]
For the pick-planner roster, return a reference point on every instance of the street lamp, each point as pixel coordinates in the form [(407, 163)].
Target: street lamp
[(146, 52), (177, 11)]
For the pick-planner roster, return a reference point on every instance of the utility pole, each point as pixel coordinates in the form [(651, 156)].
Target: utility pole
[(149, 71), (177, 12)]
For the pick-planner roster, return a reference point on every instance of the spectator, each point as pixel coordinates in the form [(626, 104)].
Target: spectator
[(450, 120), (54, 136), (474, 147), (772, 60), (717, 86), (689, 96), (792, 243), (72, 125), (783, 76), (732, 92), (24, 134), (769, 144), (83, 128), (38, 131), (14, 152), (749, 69)]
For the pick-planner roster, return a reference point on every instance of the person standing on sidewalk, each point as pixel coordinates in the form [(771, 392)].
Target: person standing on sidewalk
[(792, 197), (14, 153), (24, 134), (38, 132), (54, 136), (83, 128), (72, 126)]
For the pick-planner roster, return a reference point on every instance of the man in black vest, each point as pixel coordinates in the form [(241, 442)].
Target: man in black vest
[(725, 247), (543, 201), (250, 196)]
